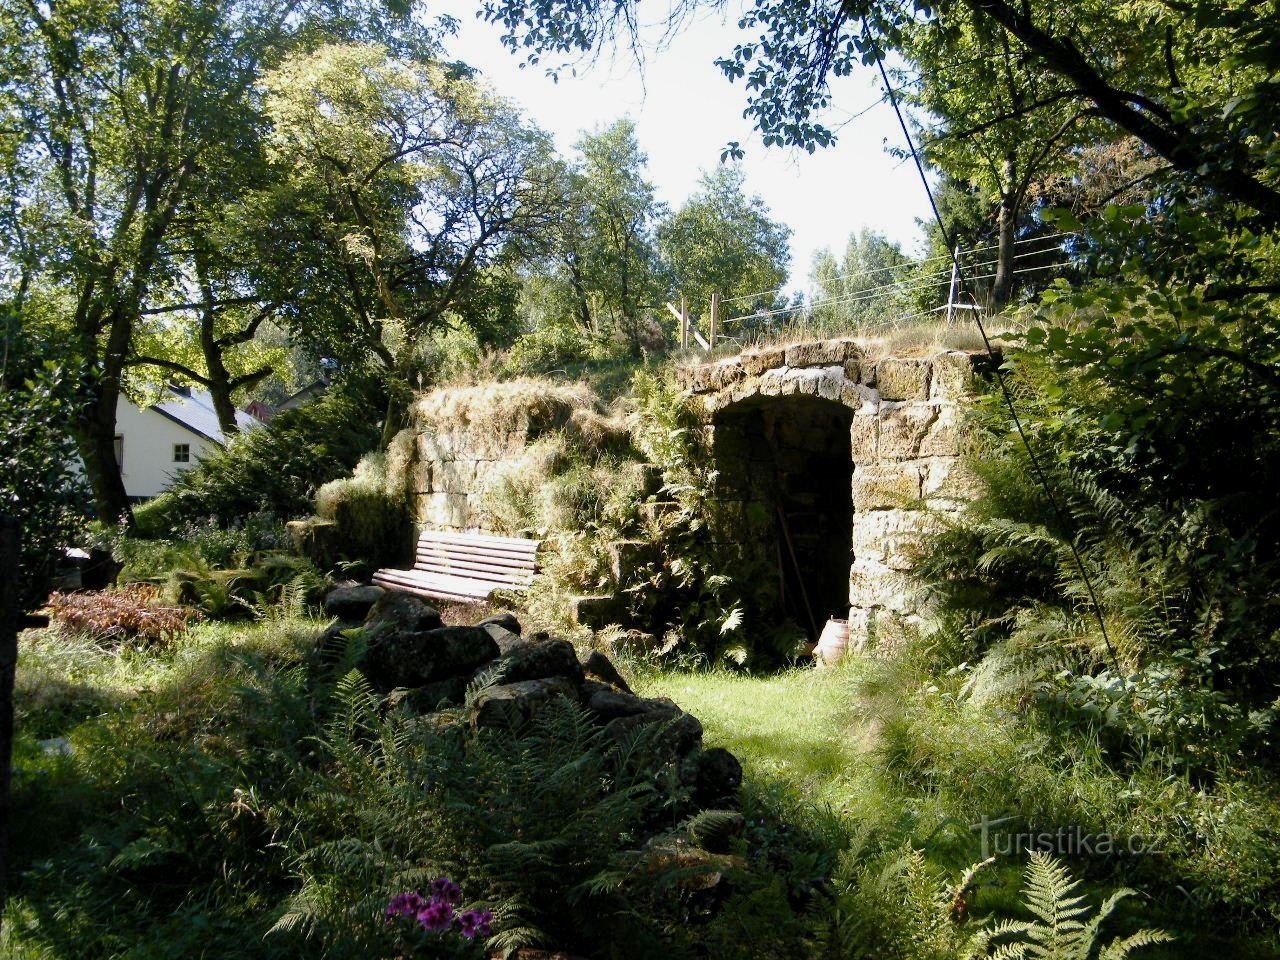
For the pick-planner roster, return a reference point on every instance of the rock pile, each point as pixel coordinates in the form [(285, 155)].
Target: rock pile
[(420, 664)]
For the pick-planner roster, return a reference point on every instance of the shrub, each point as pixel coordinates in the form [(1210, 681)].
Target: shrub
[(39, 487), (276, 469), (371, 512)]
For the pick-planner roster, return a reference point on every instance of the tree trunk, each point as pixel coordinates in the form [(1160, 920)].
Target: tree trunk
[(1002, 287), (10, 616), (396, 416), (219, 378), (96, 440)]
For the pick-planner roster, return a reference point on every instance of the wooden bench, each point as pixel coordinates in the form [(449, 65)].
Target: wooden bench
[(465, 566)]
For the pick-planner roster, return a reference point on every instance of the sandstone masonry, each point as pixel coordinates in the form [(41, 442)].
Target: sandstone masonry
[(904, 439)]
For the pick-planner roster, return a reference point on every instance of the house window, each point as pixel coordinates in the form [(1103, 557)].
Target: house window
[(182, 453), (119, 450)]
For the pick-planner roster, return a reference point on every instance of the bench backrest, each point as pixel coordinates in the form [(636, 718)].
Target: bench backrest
[(502, 561)]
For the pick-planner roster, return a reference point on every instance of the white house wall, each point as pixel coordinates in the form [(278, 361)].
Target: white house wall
[(149, 438)]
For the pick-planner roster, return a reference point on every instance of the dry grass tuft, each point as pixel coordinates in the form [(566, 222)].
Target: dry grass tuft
[(525, 406), (909, 340)]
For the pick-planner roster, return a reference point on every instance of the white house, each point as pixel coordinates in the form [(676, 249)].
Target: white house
[(154, 443)]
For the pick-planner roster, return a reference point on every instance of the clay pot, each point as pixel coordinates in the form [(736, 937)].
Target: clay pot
[(834, 641)]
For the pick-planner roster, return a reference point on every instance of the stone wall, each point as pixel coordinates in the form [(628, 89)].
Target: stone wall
[(903, 443), (470, 438)]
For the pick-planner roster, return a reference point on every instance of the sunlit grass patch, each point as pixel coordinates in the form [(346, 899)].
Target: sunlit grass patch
[(800, 726)]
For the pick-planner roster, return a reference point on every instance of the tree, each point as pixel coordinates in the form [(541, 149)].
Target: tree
[(723, 241), (425, 179), (618, 257), (38, 515), (114, 115), (874, 283), (992, 120), (1191, 81)]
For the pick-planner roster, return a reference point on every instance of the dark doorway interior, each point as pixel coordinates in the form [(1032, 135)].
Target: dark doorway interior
[(785, 476)]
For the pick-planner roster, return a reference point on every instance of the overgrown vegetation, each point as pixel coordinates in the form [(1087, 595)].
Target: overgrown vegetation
[(276, 470)]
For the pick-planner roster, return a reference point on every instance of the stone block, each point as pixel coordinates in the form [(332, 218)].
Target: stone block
[(903, 428), (853, 370), (444, 510), (757, 362), (945, 436), (816, 353), (422, 476), (831, 383), (874, 584), (595, 611), (627, 556), (862, 627), (948, 478), (903, 379), (807, 381), (704, 378), (864, 438), (743, 389), (454, 476), (860, 397), (704, 406), (953, 376), (726, 373), (892, 537), (885, 486), (512, 705), (429, 447), (771, 382), (790, 382)]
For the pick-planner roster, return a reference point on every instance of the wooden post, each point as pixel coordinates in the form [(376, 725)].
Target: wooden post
[(954, 290), (684, 323), (715, 319)]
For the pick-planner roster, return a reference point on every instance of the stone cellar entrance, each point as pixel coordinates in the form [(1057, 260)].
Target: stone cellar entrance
[(784, 489)]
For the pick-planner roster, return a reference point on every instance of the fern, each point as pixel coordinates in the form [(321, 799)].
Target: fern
[(1060, 929)]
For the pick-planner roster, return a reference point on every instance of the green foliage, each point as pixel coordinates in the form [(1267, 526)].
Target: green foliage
[(250, 795), (278, 468), (685, 593), (1062, 928), (38, 485), (371, 511), (872, 285), (723, 241)]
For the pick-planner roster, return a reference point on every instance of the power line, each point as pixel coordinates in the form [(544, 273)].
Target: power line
[(1036, 467), (907, 264)]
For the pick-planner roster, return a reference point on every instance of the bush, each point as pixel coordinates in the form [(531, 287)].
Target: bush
[(39, 487), (275, 470), (370, 509)]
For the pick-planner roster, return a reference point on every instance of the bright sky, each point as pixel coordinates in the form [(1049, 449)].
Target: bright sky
[(685, 111)]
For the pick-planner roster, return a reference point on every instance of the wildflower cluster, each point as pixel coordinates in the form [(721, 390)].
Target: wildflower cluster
[(435, 912)]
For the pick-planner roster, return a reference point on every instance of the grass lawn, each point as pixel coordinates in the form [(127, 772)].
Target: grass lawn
[(798, 727)]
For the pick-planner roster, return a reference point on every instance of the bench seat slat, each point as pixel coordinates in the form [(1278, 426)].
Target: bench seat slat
[(435, 585), (466, 567), (478, 570), (510, 560), (477, 539), (479, 557)]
